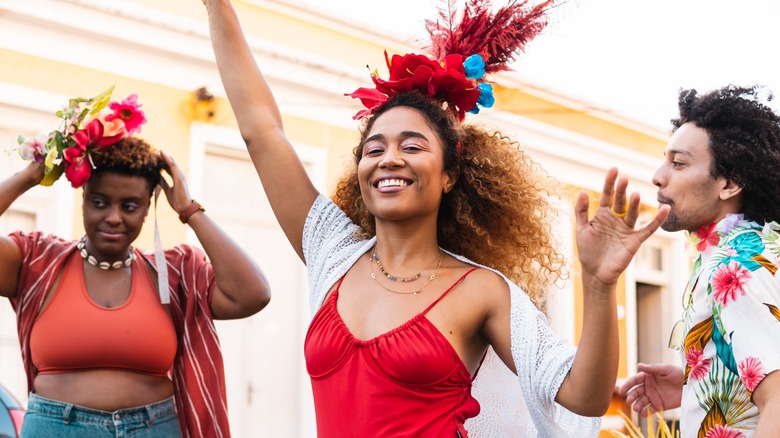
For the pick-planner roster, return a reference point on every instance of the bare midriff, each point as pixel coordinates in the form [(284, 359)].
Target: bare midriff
[(104, 389)]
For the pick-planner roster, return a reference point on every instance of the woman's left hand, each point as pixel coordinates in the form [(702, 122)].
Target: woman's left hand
[(176, 192), (607, 243)]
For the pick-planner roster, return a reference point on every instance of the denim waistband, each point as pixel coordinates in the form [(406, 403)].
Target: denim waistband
[(70, 412)]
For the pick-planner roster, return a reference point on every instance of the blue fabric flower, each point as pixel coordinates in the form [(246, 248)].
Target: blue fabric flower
[(486, 98), (474, 66)]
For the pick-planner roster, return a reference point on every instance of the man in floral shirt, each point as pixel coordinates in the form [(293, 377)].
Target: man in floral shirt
[(721, 178)]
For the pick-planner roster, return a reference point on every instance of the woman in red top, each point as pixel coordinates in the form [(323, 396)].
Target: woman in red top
[(403, 320), (116, 341)]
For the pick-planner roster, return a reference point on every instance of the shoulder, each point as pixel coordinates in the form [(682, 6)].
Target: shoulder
[(182, 254), (185, 250), (493, 288), (481, 277), (747, 242), (483, 285), (39, 241), (486, 280)]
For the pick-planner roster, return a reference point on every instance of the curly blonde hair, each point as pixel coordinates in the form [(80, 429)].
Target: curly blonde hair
[(497, 214)]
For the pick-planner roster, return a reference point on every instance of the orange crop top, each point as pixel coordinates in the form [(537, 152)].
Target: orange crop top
[(73, 333)]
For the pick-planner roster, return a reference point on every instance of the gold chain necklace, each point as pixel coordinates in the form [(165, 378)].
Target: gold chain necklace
[(412, 292)]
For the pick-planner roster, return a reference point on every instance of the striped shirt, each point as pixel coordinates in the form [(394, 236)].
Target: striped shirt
[(198, 374)]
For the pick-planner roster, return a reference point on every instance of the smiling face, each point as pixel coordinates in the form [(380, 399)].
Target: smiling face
[(401, 167), (686, 184), (114, 207)]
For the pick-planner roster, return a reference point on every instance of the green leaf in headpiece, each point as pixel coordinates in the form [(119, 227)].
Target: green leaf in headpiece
[(101, 100), (50, 176)]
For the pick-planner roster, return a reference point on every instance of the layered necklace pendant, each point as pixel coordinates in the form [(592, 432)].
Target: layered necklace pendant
[(106, 266), (391, 277)]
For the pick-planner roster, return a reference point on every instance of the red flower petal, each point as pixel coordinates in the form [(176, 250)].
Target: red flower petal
[(91, 132), (71, 154), (369, 97), (78, 171)]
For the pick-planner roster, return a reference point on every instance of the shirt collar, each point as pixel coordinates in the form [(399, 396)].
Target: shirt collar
[(715, 234)]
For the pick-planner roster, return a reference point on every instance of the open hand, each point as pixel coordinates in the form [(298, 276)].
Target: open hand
[(607, 243), (654, 388)]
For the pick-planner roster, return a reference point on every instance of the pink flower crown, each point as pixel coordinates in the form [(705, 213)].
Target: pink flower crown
[(87, 125), (483, 40)]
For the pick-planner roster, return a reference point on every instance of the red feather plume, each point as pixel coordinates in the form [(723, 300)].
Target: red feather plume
[(496, 36)]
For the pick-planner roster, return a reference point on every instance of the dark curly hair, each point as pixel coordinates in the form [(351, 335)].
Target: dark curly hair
[(744, 139), (131, 156), (498, 212)]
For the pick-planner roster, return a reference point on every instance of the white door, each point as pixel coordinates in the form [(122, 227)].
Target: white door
[(269, 392)]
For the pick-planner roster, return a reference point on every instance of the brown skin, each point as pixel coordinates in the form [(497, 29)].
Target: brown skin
[(474, 314), (114, 209), (697, 198), (686, 184)]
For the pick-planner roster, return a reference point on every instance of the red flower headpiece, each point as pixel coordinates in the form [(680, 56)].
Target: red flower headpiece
[(87, 125), (463, 52)]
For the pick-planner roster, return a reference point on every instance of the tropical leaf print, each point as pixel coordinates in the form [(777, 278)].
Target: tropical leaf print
[(723, 348), (725, 389), (766, 263), (744, 249), (698, 336), (714, 417), (773, 310)]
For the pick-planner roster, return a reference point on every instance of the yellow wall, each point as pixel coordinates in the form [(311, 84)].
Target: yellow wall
[(576, 120)]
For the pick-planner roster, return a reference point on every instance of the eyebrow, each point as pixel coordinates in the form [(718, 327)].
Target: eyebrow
[(103, 195), (404, 134), (678, 151)]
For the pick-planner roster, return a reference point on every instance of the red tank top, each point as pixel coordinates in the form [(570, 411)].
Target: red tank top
[(73, 333), (407, 382)]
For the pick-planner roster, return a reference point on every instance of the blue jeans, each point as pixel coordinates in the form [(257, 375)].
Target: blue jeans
[(51, 418)]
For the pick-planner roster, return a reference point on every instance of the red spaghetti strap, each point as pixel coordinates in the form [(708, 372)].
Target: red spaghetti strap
[(448, 290), (335, 291), (481, 361)]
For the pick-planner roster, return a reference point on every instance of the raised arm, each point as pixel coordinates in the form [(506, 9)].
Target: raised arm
[(606, 245), (284, 178), (10, 258), (241, 287)]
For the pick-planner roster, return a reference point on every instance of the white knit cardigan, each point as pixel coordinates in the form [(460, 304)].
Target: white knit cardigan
[(521, 405)]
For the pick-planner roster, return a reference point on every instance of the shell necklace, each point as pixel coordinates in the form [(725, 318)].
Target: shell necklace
[(82, 246)]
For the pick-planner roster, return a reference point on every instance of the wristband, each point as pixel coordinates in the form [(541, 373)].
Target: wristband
[(191, 209)]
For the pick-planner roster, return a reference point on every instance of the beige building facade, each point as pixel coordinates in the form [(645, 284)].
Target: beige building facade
[(51, 50)]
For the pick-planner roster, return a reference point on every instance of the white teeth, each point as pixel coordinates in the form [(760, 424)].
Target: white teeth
[(392, 183)]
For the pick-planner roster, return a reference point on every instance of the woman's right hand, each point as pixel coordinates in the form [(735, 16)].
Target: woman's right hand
[(33, 173)]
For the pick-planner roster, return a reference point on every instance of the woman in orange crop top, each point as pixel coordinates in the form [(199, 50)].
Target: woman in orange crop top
[(115, 340), (403, 322)]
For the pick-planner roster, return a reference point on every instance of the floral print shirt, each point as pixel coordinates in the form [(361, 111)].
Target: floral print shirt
[(731, 325)]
